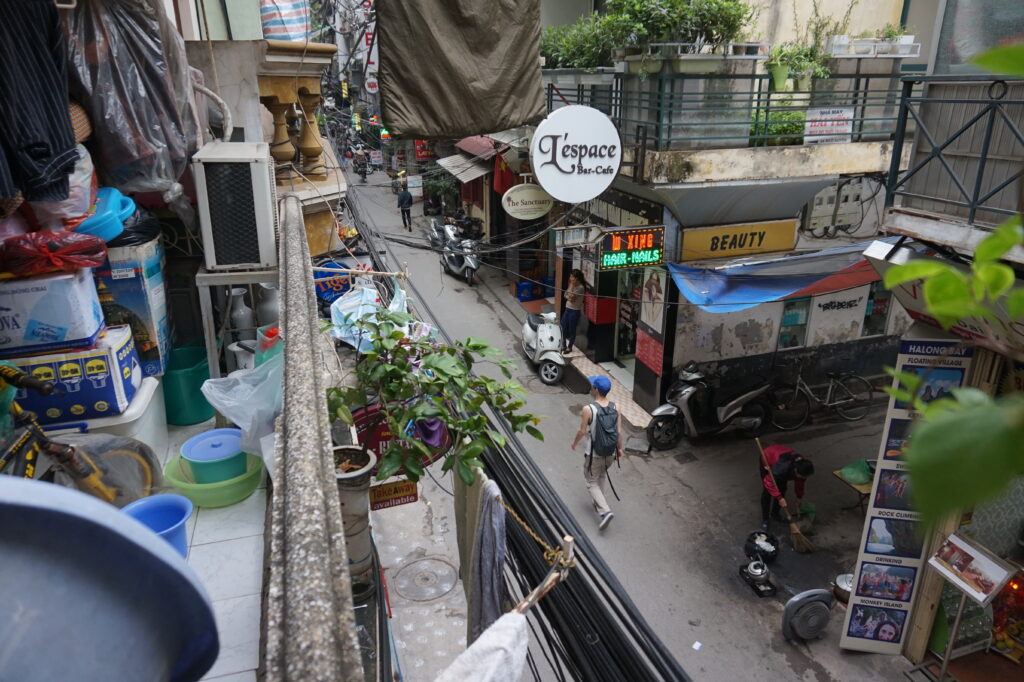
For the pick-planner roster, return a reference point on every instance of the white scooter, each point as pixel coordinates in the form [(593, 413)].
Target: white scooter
[(542, 343)]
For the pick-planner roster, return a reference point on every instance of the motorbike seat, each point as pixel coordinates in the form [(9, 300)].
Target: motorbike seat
[(535, 320), (833, 375)]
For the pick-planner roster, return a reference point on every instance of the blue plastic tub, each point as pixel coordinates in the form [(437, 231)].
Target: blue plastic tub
[(215, 456), (165, 515), (524, 291), (107, 221)]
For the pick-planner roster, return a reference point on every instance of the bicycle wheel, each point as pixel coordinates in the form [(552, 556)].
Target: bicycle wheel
[(852, 397), (790, 407)]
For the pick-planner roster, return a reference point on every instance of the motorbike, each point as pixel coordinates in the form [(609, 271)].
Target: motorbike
[(542, 344), (458, 255), (695, 408), (361, 170)]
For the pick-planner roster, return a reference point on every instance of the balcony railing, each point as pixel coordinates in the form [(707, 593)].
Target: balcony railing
[(968, 154), (734, 110)]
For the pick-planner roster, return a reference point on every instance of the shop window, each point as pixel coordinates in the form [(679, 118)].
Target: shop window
[(473, 192), (877, 312), (793, 329)]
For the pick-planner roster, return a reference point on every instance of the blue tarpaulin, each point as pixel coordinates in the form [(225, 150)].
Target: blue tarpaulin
[(739, 287)]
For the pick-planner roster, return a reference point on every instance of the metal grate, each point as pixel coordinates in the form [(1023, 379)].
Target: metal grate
[(232, 213)]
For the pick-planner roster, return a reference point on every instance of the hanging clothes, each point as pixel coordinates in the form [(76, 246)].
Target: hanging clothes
[(488, 563), (37, 143), (498, 655)]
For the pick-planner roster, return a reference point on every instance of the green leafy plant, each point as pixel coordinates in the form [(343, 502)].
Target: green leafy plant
[(781, 124), (965, 448), (718, 22), (417, 379), (890, 32), (816, 31), (651, 20), (441, 185), (783, 54)]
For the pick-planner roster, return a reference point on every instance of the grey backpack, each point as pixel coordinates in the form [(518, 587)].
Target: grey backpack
[(604, 432)]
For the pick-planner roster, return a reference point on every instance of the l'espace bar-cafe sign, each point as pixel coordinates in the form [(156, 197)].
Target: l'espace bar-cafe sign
[(576, 152)]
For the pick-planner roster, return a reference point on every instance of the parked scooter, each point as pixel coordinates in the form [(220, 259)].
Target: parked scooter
[(695, 408), (459, 259), (542, 344)]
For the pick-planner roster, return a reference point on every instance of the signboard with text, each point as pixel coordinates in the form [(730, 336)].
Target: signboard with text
[(730, 241), (392, 494), (635, 248), (829, 125), (576, 152), (527, 201), (891, 551)]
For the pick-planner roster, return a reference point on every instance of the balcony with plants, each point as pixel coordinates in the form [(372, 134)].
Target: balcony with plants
[(688, 76)]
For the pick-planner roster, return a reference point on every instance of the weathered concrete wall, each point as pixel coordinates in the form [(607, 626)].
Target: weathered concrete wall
[(837, 317), (777, 21), (766, 163), (703, 336), (561, 12)]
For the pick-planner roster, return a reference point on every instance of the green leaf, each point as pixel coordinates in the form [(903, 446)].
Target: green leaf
[(948, 297), (344, 414), (995, 246), (1015, 305), (413, 468), (898, 393), (390, 463), (1007, 60), (496, 438), (914, 270), (971, 397), (535, 432), (465, 472), (966, 456)]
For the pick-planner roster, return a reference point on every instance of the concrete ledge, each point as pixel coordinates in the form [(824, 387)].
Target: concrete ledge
[(764, 164)]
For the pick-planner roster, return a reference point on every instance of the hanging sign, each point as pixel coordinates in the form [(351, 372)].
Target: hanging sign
[(832, 125), (372, 86), (728, 241), (576, 235), (527, 201), (891, 557), (632, 248), (376, 157), (576, 152)]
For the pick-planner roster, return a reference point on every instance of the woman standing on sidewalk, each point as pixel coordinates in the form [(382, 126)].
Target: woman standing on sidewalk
[(573, 305)]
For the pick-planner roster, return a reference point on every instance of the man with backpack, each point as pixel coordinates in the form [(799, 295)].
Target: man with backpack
[(599, 429)]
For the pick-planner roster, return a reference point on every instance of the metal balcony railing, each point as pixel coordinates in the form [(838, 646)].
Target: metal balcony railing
[(735, 110), (968, 154)]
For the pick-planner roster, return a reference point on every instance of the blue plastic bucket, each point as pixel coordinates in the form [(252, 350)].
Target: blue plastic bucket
[(215, 456), (107, 221), (165, 515)]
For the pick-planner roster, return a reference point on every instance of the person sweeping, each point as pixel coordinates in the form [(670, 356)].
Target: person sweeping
[(779, 465)]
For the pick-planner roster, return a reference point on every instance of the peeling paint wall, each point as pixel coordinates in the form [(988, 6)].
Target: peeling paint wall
[(702, 336)]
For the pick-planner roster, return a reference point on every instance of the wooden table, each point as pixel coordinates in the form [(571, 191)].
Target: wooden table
[(863, 491)]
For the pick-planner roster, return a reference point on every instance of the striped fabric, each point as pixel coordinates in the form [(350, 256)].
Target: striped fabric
[(285, 19), (37, 145), (80, 122)]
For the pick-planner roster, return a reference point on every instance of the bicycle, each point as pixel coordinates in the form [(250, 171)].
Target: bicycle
[(116, 476), (848, 394)]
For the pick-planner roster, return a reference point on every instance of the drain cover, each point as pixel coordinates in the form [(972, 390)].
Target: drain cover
[(426, 579)]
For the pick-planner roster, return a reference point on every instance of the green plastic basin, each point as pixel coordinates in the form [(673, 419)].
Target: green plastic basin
[(219, 494)]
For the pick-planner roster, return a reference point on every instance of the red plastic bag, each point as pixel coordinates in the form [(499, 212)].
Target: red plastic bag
[(36, 253)]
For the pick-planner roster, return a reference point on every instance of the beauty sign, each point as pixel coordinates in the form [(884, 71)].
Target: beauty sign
[(576, 152), (632, 248)]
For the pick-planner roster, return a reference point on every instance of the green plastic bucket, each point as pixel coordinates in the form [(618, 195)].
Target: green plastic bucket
[(183, 400), (215, 456)]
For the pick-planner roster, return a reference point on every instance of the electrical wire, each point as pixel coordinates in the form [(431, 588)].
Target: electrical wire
[(597, 631)]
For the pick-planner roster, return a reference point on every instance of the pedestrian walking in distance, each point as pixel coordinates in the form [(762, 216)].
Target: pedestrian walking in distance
[(573, 305), (602, 440), (405, 203), (786, 465)]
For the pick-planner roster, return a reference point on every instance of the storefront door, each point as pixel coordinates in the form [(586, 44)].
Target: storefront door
[(630, 283)]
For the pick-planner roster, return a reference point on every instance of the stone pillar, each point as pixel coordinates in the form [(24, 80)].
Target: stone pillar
[(310, 143), (281, 147)]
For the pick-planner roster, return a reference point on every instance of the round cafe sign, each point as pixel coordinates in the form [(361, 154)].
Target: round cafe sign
[(526, 202), (576, 153)]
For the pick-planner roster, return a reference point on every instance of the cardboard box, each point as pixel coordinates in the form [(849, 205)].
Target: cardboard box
[(49, 313), (96, 383), (132, 292)]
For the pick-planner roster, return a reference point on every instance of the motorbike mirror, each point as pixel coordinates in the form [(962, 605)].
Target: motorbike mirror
[(690, 367)]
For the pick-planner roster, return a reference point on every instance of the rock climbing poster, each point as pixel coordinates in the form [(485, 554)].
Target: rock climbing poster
[(890, 555)]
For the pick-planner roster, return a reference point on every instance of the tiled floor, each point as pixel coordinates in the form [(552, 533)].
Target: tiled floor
[(226, 552)]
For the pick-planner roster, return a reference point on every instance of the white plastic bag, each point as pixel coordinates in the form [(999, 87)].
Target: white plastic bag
[(252, 402), (355, 305), (69, 213)]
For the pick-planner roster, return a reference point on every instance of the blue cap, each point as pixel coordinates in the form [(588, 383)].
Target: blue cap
[(601, 383)]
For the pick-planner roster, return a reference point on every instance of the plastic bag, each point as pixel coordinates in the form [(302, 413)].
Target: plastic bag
[(38, 252), (284, 21), (140, 228), (130, 73), (252, 401), (69, 213), (126, 464), (348, 310)]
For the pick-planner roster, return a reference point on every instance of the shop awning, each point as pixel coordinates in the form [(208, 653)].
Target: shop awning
[(739, 287), (465, 168), (481, 147)]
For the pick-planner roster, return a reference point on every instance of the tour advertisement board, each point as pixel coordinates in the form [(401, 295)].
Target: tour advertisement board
[(891, 553)]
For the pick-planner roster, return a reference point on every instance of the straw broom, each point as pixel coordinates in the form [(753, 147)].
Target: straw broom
[(800, 542)]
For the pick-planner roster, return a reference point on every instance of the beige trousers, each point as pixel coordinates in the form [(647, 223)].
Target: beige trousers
[(595, 471)]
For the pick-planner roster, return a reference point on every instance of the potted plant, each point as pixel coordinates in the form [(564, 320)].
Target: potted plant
[(718, 22), (779, 62), (353, 465), (887, 37), (864, 43), (780, 124), (410, 381)]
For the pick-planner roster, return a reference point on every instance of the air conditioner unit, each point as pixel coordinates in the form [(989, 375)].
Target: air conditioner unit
[(237, 205)]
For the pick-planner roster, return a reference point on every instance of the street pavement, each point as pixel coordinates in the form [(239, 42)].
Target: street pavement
[(676, 542)]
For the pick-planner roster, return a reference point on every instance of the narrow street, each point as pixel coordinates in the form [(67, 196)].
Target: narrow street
[(677, 538)]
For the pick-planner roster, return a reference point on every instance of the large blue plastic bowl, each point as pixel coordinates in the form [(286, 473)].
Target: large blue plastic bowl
[(165, 515)]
